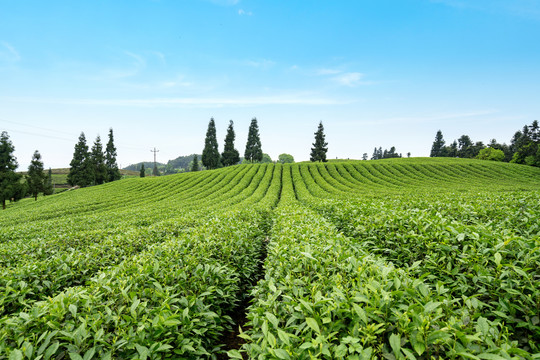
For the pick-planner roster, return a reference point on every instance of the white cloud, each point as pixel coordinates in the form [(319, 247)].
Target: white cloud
[(8, 52), (348, 79), (328, 71), (262, 63), (243, 12)]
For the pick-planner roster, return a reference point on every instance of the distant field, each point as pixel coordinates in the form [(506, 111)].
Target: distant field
[(390, 259), (59, 176)]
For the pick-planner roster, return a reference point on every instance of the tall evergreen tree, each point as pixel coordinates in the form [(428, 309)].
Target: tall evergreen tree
[(210, 155), (320, 147), (230, 155), (142, 173), (253, 151), (9, 179), (81, 170), (98, 163), (48, 184), (36, 177), (113, 173), (155, 171), (195, 163), (437, 149)]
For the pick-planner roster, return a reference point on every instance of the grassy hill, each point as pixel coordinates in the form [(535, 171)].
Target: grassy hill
[(397, 258)]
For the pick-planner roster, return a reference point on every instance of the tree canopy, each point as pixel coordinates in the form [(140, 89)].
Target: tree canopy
[(320, 146), (9, 179), (35, 177), (210, 154), (253, 151), (230, 155)]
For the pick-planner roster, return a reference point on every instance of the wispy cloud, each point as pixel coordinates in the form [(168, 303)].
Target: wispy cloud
[(282, 99), (243, 12), (328, 71), (435, 117), (349, 79), (8, 52), (133, 65), (261, 63)]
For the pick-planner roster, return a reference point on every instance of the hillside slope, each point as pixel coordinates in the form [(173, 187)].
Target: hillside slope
[(387, 258)]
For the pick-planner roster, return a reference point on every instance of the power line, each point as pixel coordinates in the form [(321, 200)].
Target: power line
[(155, 151)]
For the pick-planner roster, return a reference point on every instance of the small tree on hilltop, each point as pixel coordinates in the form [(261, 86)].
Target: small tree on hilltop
[(142, 173), (253, 151), (285, 159), (113, 173), (35, 177), (101, 174), (81, 170), (48, 190), (230, 155), (195, 163), (9, 179), (210, 155), (437, 149), (319, 149)]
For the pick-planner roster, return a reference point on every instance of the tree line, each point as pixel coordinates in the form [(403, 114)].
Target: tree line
[(212, 159), (12, 188), (93, 166), (524, 147)]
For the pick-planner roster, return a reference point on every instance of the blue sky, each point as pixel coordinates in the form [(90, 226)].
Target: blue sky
[(377, 73)]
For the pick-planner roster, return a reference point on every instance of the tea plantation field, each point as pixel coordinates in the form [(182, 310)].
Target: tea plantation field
[(386, 259)]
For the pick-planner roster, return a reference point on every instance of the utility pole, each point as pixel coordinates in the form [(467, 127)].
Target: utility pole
[(154, 172)]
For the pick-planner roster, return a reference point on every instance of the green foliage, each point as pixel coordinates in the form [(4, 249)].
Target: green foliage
[(35, 177), (195, 164), (10, 186), (142, 172), (210, 154), (113, 173), (491, 154), (395, 259), (230, 155), (437, 149), (320, 146), (98, 163), (285, 159), (81, 169), (253, 151), (48, 188)]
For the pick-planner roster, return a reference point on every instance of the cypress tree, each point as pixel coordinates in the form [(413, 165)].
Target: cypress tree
[(81, 170), (437, 149), (320, 147), (195, 163), (230, 155), (253, 151), (48, 184), (113, 173), (142, 173), (98, 163), (35, 177), (210, 155), (155, 171), (9, 179)]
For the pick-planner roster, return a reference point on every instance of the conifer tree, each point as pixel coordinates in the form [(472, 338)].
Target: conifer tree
[(253, 151), (155, 171), (195, 163), (98, 163), (9, 179), (320, 147), (48, 184), (437, 149), (81, 170), (113, 173), (35, 177), (230, 155), (142, 173), (210, 155)]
